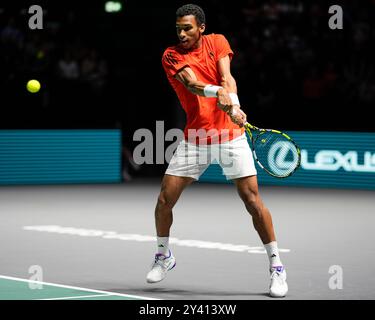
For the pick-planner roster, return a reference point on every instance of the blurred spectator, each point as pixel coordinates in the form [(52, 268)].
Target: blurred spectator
[(94, 71), (129, 166), (329, 79), (272, 10), (68, 68), (12, 34), (313, 85)]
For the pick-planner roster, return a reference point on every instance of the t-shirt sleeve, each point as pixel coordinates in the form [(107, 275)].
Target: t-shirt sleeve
[(173, 62), (222, 47)]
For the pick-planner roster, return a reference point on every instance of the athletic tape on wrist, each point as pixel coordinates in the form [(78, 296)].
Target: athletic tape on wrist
[(234, 98), (211, 90)]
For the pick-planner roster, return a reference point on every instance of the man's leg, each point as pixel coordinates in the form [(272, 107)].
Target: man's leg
[(171, 189), (247, 188)]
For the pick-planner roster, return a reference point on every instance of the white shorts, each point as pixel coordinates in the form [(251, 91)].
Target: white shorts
[(234, 157)]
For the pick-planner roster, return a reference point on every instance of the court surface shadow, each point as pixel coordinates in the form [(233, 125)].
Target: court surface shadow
[(176, 293)]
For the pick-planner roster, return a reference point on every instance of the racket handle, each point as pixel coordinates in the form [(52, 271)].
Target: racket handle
[(246, 124)]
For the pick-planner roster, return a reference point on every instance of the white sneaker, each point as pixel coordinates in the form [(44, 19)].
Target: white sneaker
[(160, 267), (278, 286)]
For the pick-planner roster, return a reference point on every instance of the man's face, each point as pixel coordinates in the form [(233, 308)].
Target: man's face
[(188, 31)]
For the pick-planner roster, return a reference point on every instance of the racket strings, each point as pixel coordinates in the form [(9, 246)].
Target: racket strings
[(276, 153)]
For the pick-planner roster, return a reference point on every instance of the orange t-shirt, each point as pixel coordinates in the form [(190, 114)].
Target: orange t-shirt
[(202, 112)]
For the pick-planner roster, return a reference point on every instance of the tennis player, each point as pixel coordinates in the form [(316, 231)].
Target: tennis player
[(198, 69)]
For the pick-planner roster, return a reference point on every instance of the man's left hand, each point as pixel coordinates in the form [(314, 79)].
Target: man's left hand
[(237, 115)]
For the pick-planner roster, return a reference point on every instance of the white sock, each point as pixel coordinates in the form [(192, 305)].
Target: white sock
[(163, 245), (273, 254)]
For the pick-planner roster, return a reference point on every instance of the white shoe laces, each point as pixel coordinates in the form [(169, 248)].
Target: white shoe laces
[(159, 260)]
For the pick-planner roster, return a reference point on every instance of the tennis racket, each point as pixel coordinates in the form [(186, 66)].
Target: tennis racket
[(274, 151)]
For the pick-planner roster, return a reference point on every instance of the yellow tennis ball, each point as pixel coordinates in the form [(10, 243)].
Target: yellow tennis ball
[(33, 86)]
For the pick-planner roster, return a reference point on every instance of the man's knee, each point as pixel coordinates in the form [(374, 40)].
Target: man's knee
[(171, 190), (165, 201)]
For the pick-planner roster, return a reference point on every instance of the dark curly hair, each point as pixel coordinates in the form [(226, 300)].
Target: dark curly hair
[(192, 9)]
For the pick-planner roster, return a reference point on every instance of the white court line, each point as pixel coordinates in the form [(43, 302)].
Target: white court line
[(77, 288), (113, 235), (79, 297)]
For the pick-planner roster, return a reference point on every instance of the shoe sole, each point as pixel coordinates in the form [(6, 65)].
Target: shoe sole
[(277, 296)]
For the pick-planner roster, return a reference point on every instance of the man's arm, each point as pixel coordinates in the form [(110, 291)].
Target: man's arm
[(188, 78), (229, 84), (227, 80)]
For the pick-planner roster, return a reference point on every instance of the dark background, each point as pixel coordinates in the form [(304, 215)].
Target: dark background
[(292, 71)]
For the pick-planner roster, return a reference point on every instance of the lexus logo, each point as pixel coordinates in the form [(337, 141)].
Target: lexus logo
[(278, 154)]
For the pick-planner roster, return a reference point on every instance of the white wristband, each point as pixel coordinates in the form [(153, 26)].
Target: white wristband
[(234, 98), (211, 90)]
